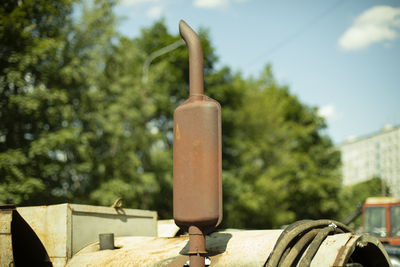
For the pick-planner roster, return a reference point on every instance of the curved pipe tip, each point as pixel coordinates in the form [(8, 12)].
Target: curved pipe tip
[(183, 26), (193, 44), (185, 30)]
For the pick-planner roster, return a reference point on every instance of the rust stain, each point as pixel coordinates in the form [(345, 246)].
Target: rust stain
[(341, 256), (197, 143), (178, 132)]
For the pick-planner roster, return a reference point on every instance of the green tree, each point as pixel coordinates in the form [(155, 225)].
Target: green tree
[(49, 71), (78, 124), (124, 140), (285, 169), (30, 39)]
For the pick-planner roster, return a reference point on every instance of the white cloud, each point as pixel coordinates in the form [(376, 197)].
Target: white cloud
[(136, 2), (214, 4), (328, 112), (211, 4), (377, 24), (155, 12)]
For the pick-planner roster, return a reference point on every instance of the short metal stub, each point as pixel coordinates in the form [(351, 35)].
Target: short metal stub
[(106, 241)]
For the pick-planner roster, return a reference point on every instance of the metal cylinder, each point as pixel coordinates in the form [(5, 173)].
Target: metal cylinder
[(197, 164), (197, 156), (197, 153), (106, 241), (197, 246)]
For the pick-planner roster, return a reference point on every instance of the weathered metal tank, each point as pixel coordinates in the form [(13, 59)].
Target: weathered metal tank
[(23, 244), (233, 248)]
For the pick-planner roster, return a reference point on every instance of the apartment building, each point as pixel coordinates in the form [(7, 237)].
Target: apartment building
[(375, 155)]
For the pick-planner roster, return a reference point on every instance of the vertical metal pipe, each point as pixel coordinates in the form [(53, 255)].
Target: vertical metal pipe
[(197, 242), (193, 43), (197, 247)]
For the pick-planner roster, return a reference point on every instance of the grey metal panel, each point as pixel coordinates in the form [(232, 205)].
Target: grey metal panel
[(90, 221), (66, 228)]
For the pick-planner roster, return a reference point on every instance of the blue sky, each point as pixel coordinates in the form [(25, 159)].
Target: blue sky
[(341, 56)]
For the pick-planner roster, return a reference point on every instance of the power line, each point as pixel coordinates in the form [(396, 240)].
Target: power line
[(293, 36)]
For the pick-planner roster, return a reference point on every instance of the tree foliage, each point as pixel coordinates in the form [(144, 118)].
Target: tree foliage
[(79, 124), (285, 169), (30, 110)]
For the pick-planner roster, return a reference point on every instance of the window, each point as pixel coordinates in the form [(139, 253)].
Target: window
[(395, 221), (375, 221)]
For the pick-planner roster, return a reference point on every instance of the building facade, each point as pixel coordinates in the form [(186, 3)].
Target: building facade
[(376, 155)]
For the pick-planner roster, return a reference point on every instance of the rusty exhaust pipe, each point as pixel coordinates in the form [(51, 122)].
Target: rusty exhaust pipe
[(195, 58), (197, 157)]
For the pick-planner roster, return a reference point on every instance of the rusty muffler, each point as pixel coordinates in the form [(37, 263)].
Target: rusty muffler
[(197, 156)]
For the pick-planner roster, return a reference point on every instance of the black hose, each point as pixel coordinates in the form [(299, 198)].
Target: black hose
[(315, 244), (300, 246), (299, 237)]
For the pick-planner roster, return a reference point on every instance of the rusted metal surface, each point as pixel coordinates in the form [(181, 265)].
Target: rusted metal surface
[(66, 228), (193, 43), (230, 248), (51, 224), (364, 249), (197, 246), (325, 243), (341, 249), (19, 244), (330, 249), (6, 252), (197, 162), (300, 241), (233, 248)]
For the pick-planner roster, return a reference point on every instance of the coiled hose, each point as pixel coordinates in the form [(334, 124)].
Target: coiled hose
[(301, 237)]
